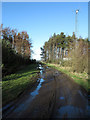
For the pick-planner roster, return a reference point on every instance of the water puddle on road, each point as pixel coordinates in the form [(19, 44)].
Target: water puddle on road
[(36, 91), (61, 98), (41, 80), (70, 111)]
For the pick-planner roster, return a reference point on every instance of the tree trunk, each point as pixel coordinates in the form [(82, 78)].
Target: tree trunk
[(56, 51), (53, 52), (64, 52)]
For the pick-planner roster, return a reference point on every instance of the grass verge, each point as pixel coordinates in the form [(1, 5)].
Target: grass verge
[(81, 79), (13, 85)]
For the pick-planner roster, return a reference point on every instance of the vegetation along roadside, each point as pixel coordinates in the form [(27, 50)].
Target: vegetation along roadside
[(15, 84), (80, 78)]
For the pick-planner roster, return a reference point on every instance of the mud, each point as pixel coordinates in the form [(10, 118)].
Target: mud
[(55, 96)]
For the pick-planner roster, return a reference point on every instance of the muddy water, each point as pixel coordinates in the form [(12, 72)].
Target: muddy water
[(55, 96)]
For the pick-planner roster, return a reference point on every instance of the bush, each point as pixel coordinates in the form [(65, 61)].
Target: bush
[(79, 57)]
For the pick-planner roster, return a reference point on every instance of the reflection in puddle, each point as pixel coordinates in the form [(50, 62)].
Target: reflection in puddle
[(62, 98), (36, 91), (70, 111), (41, 72), (40, 67)]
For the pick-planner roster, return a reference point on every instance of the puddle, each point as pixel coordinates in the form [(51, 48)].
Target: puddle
[(41, 69), (61, 98), (70, 111), (41, 72), (40, 66), (36, 91)]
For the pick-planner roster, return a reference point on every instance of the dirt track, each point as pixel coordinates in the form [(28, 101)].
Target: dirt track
[(55, 96)]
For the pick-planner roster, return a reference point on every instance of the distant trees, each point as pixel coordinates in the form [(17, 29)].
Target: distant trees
[(16, 49), (67, 51)]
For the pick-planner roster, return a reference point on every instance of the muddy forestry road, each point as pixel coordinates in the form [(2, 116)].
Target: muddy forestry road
[(55, 95)]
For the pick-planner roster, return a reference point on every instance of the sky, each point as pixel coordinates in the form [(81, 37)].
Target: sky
[(42, 19)]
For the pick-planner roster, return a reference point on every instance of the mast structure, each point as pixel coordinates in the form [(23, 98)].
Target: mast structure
[(76, 21)]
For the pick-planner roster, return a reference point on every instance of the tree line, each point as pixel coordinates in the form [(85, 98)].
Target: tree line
[(16, 49), (66, 51)]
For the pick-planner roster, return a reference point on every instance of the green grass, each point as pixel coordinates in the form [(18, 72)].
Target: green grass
[(78, 78), (13, 85)]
